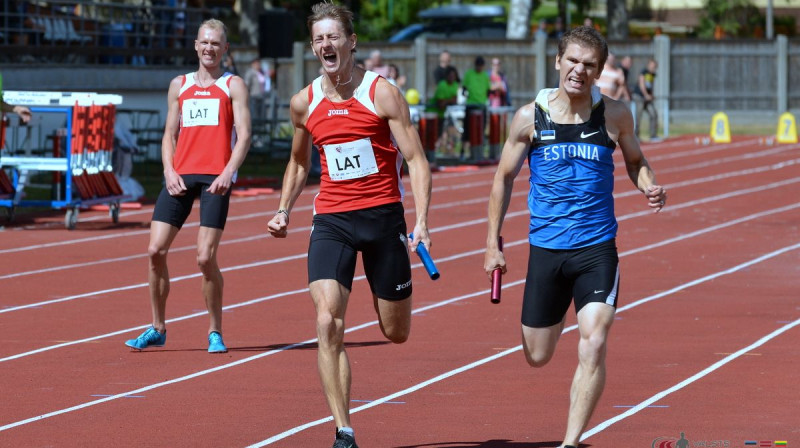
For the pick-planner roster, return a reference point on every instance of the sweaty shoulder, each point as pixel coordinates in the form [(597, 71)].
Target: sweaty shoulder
[(299, 105), (528, 110), (177, 81), (615, 110), (619, 120), (523, 124), (388, 99)]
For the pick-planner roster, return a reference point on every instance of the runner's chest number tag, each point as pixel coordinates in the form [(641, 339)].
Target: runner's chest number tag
[(350, 160), (201, 112)]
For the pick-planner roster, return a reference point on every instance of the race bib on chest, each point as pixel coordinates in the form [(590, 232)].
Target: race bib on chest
[(350, 160), (200, 112)]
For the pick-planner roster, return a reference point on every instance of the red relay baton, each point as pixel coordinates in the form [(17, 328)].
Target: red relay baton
[(497, 277)]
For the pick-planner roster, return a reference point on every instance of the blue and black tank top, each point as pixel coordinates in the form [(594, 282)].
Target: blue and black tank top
[(572, 179)]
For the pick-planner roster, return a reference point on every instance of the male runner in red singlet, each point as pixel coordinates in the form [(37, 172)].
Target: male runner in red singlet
[(354, 117), (207, 113)]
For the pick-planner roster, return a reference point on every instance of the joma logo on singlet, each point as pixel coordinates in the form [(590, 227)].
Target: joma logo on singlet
[(202, 93), (338, 112)]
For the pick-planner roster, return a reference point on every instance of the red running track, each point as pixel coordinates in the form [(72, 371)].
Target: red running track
[(706, 342)]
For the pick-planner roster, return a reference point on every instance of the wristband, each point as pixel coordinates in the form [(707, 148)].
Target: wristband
[(284, 212)]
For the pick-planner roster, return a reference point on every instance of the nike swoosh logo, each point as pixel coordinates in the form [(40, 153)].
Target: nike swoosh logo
[(598, 292), (588, 135)]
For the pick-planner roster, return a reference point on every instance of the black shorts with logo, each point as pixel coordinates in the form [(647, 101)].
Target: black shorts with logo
[(555, 277), (379, 233), (174, 210)]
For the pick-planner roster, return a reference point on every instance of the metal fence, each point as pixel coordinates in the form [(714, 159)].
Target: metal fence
[(753, 79)]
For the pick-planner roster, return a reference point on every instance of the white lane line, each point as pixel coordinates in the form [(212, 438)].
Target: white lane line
[(375, 322), (268, 213), (415, 266), (519, 213), (225, 242), (696, 377), (778, 149), (480, 362), (691, 182)]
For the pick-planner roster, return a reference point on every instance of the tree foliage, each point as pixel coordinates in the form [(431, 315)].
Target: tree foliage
[(737, 18), (379, 18)]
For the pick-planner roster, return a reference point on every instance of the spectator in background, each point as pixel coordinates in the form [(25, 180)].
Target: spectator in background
[(440, 73), (498, 90), (446, 94), (23, 112), (179, 23), (558, 29), (395, 78), (612, 81), (269, 76), (645, 101), (625, 66), (229, 65), (255, 80), (378, 65), (587, 21), (541, 30), (368, 64), (476, 81)]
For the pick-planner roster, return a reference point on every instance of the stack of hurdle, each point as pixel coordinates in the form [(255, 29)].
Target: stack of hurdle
[(91, 145)]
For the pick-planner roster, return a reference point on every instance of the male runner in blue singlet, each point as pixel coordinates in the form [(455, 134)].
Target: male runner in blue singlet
[(568, 136)]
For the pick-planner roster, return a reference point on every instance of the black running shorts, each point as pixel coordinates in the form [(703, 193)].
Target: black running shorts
[(174, 210), (555, 277), (379, 233)]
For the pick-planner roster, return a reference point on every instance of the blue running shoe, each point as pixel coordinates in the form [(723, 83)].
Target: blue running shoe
[(215, 344), (344, 440), (150, 338)]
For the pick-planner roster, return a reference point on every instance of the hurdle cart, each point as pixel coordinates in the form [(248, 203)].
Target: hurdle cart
[(82, 175)]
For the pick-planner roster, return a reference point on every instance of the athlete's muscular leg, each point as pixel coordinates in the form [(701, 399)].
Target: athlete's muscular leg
[(161, 237), (330, 299), (394, 317), (594, 323), (539, 344), (207, 244)]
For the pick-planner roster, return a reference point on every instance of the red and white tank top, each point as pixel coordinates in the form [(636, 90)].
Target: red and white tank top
[(206, 133), (360, 161)]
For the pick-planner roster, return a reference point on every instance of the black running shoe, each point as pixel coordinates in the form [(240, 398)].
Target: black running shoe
[(344, 440)]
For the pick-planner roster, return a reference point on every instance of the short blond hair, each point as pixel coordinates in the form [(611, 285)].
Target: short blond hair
[(326, 10), (215, 24)]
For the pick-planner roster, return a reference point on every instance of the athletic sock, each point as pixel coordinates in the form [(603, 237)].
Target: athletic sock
[(347, 430)]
